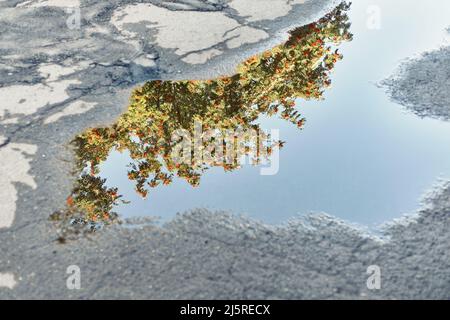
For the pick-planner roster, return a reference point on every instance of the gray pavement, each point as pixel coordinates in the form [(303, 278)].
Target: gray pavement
[(56, 81), (422, 84)]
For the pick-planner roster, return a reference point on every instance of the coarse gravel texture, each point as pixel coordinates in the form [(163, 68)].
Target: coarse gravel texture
[(200, 254)]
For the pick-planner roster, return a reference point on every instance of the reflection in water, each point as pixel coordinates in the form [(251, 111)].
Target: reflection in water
[(266, 84)]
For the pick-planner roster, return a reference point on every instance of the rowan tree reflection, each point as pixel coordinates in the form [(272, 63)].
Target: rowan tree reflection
[(268, 83)]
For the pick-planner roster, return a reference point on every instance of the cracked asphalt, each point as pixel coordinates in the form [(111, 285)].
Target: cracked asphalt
[(56, 81)]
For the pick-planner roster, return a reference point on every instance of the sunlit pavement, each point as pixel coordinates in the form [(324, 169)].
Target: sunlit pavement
[(66, 69)]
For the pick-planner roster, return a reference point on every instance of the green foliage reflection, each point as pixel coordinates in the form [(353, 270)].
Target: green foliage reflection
[(266, 84)]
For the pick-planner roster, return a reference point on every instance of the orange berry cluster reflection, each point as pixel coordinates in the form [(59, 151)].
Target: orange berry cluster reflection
[(266, 84)]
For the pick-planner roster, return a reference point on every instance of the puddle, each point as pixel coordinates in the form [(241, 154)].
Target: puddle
[(355, 154)]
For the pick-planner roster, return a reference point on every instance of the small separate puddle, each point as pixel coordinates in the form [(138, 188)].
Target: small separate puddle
[(263, 143)]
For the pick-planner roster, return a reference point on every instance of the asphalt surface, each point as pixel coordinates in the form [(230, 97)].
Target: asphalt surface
[(201, 254)]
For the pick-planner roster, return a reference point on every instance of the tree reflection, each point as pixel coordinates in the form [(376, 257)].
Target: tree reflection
[(266, 84)]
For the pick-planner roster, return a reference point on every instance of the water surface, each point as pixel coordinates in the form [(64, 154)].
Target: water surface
[(359, 156)]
